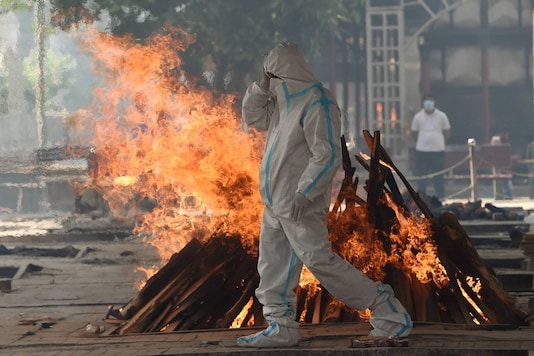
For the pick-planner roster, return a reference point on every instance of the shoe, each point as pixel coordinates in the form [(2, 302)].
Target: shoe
[(388, 315), (275, 335)]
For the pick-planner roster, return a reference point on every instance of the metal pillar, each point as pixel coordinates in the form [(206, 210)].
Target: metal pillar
[(471, 143)]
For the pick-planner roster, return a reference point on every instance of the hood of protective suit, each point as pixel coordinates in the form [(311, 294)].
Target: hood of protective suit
[(287, 63)]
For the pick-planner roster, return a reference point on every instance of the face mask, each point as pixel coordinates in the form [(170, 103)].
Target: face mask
[(428, 105)]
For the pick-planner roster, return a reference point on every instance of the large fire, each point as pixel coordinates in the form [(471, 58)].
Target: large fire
[(169, 152), (173, 155)]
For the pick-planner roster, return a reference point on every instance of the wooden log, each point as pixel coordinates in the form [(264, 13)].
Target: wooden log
[(210, 281), (193, 320), (310, 307), (216, 291), (145, 316), (302, 297), (345, 190), (257, 308), (454, 243), (461, 307), (154, 284), (366, 166), (390, 180), (464, 306), (202, 287), (246, 295), (480, 310), (202, 308), (316, 309), (349, 315), (241, 281), (153, 326), (451, 309), (175, 325), (394, 188), (332, 311), (425, 304), (402, 286), (374, 187), (222, 293), (248, 317), (208, 257), (527, 243), (415, 196)]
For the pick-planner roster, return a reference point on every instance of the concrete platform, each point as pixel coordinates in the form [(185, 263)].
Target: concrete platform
[(47, 310)]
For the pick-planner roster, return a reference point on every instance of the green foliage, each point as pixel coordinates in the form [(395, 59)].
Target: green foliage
[(58, 71), (13, 5), (232, 35)]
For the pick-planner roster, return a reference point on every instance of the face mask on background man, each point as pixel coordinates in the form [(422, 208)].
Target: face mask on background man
[(428, 105)]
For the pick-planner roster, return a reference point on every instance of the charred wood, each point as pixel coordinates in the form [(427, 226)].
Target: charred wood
[(213, 283), (177, 262)]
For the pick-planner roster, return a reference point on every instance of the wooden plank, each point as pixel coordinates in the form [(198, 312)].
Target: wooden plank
[(154, 284), (454, 243)]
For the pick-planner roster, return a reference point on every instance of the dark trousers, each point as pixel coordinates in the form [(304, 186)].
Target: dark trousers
[(427, 163)]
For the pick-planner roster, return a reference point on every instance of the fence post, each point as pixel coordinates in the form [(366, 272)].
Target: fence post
[(530, 165), (471, 143)]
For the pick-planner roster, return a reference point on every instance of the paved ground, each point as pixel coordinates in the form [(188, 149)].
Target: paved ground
[(47, 311)]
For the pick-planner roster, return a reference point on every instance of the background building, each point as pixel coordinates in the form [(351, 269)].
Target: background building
[(475, 56)]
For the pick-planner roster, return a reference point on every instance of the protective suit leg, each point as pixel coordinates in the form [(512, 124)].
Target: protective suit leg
[(279, 270), (275, 335), (388, 316), (343, 280)]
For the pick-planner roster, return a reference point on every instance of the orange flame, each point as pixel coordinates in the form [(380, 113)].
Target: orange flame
[(169, 153), (238, 321), (411, 250), (475, 284)]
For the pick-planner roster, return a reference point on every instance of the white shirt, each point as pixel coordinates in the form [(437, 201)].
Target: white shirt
[(430, 129)]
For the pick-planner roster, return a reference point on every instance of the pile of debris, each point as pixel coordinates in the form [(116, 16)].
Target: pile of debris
[(527, 243), (467, 210)]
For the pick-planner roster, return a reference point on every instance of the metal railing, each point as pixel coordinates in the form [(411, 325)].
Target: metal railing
[(473, 175)]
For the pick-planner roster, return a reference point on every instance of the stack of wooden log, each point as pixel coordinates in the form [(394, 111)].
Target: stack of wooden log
[(527, 244), (471, 210), (456, 302), (208, 284), (204, 286)]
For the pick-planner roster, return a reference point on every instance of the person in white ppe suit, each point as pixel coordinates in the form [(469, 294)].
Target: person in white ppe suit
[(302, 155)]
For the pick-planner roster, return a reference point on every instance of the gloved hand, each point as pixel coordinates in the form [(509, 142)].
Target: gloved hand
[(265, 81), (299, 206)]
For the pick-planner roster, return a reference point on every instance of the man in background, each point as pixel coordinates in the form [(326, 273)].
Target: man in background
[(431, 128)]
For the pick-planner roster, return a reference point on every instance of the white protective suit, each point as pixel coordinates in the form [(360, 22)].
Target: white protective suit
[(302, 154)]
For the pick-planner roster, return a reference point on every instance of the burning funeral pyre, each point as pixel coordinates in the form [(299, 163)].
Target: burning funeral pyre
[(165, 143), (432, 265)]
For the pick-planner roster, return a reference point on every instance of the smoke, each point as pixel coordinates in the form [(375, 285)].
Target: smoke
[(68, 83)]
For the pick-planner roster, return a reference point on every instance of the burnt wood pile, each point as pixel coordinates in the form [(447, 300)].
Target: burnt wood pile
[(208, 284), (527, 243), (63, 153), (471, 210), (204, 286)]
